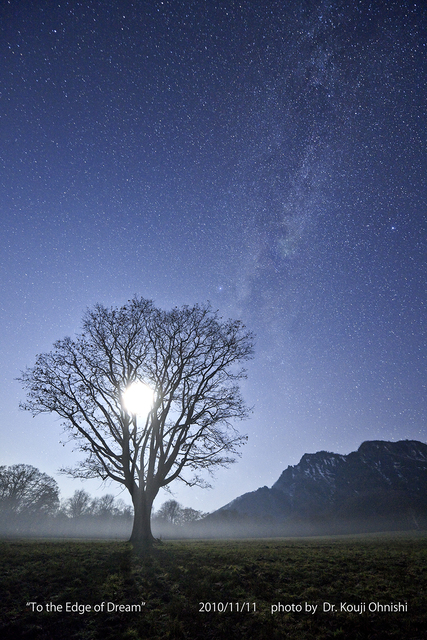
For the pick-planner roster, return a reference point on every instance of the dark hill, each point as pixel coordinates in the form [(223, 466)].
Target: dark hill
[(381, 486)]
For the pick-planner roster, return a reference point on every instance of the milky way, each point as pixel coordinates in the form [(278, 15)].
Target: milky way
[(268, 157)]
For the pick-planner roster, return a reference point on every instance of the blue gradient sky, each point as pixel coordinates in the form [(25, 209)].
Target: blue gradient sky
[(269, 157)]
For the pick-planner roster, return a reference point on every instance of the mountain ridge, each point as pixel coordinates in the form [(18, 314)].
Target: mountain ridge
[(381, 485)]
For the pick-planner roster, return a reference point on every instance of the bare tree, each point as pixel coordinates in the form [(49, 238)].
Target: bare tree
[(191, 515), (188, 356), (80, 504), (170, 512), (26, 495), (105, 506)]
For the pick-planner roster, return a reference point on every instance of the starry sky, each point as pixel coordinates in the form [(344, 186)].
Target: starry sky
[(269, 157)]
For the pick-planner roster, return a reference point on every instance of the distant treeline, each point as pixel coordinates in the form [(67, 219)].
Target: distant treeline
[(30, 505)]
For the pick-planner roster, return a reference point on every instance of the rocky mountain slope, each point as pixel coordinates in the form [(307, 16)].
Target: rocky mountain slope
[(381, 486)]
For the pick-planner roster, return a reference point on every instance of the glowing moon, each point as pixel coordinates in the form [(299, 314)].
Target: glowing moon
[(138, 398)]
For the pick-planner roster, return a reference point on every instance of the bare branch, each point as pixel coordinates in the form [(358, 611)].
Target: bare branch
[(189, 356)]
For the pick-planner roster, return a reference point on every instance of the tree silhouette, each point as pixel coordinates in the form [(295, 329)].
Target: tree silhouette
[(26, 496), (80, 504), (188, 356), (170, 512)]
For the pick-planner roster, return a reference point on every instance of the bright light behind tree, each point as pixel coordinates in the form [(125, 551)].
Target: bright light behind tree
[(138, 398), (188, 356)]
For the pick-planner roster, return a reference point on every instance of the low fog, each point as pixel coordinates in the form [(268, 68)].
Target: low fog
[(30, 506), (210, 527)]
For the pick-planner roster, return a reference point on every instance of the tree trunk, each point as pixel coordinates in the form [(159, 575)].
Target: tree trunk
[(141, 537)]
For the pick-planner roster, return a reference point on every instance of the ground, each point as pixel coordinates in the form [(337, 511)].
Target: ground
[(275, 589)]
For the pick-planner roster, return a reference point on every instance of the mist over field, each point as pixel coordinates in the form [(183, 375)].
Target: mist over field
[(382, 486), (232, 525)]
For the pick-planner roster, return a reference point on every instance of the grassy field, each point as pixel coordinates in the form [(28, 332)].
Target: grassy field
[(275, 589)]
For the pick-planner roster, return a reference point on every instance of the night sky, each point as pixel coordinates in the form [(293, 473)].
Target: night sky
[(269, 157)]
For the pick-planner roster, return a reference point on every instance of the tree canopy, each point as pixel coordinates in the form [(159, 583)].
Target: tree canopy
[(189, 357), (26, 494), (172, 512)]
